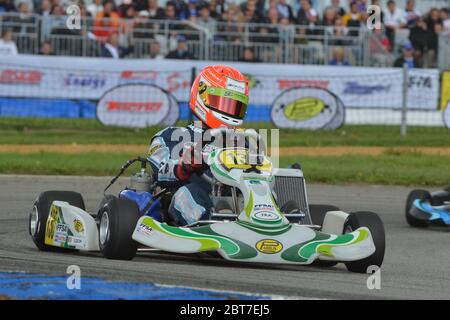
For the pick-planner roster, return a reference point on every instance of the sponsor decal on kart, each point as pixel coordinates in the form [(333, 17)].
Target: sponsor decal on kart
[(57, 231), (266, 215), (78, 226), (145, 229), (75, 241), (269, 246)]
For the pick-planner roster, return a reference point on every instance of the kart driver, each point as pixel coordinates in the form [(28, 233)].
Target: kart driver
[(218, 98)]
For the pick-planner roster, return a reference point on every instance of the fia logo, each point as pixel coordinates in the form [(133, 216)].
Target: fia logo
[(73, 21), (374, 17), (374, 280), (74, 280)]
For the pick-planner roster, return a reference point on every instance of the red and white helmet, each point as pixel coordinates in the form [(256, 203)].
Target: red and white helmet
[(219, 97)]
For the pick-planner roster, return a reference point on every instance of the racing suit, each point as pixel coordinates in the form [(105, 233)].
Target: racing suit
[(191, 202)]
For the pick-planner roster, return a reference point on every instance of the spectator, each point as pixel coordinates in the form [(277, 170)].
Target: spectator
[(154, 11), (419, 36), (339, 34), (95, 7), (394, 19), (46, 48), (336, 6), (143, 27), (24, 21), (6, 6), (338, 58), (7, 45), (411, 14), (353, 19), (112, 49), (180, 9), (192, 10), (433, 44), (379, 46), (249, 56), (204, 20), (329, 17), (45, 9), (285, 10), (307, 15), (181, 51), (407, 57), (155, 51), (445, 19), (106, 21)]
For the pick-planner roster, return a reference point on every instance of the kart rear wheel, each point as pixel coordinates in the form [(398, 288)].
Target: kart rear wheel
[(118, 220), (39, 214), (373, 222), (318, 212), (414, 195)]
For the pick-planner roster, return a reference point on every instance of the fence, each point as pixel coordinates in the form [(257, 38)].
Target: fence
[(308, 97), (216, 41)]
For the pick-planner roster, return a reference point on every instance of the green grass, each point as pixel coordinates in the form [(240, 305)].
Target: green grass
[(84, 131), (390, 168)]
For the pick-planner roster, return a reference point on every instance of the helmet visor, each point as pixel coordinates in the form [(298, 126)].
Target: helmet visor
[(228, 102)]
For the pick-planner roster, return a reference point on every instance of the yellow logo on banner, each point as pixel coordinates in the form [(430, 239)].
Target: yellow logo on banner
[(269, 246), (304, 109), (445, 91)]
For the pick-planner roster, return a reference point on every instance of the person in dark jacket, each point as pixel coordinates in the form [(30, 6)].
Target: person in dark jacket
[(181, 51), (408, 57)]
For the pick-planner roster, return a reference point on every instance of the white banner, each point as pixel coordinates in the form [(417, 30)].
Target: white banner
[(89, 78)]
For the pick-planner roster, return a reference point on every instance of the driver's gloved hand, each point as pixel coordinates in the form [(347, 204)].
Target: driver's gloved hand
[(191, 161)]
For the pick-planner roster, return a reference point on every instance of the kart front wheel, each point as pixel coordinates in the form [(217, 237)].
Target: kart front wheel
[(37, 221), (414, 195), (118, 220), (373, 222)]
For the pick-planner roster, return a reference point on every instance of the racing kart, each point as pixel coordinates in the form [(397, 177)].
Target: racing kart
[(425, 209), (260, 215)]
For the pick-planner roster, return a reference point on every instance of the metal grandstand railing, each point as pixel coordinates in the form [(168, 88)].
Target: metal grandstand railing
[(219, 41), (444, 51)]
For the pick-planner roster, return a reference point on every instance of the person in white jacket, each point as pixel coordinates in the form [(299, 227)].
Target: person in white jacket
[(7, 45)]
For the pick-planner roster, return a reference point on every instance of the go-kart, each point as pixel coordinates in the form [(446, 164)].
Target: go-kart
[(260, 215), (425, 209)]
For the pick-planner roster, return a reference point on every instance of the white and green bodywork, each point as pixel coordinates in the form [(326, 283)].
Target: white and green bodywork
[(261, 233)]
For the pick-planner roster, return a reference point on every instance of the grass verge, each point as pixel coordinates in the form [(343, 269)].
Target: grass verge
[(392, 168)]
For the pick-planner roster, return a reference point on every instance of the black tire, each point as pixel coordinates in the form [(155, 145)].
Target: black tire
[(122, 215), (318, 212), (373, 222), (42, 205), (447, 189), (104, 201), (414, 195)]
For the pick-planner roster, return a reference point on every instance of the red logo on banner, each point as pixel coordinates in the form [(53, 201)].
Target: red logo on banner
[(175, 82), (139, 75), (133, 106), (10, 76), (287, 84)]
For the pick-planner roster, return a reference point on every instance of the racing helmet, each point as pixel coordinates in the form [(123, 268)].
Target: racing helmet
[(219, 97)]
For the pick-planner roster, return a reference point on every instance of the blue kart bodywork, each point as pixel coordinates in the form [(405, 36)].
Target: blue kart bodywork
[(423, 210), (148, 205)]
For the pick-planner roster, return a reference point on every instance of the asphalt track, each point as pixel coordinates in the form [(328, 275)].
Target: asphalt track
[(416, 263)]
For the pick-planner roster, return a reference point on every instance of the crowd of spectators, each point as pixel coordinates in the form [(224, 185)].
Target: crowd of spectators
[(299, 19)]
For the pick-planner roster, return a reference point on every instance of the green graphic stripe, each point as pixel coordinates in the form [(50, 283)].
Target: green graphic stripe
[(249, 207), (292, 253), (245, 252), (321, 244), (214, 166), (325, 249), (208, 243)]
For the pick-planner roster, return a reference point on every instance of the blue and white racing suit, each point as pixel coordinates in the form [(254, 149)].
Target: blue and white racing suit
[(191, 202)]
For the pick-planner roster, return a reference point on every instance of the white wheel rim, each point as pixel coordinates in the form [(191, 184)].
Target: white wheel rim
[(104, 227), (34, 218)]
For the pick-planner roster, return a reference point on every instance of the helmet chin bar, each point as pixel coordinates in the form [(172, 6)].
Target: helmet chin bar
[(232, 122)]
